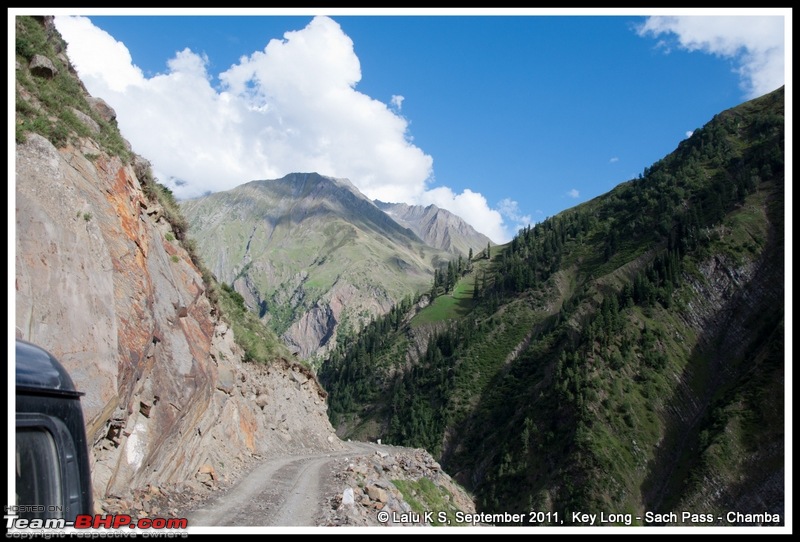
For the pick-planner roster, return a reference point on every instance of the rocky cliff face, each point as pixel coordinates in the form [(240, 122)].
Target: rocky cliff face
[(102, 283)]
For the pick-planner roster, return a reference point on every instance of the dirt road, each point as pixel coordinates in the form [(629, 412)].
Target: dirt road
[(282, 491)]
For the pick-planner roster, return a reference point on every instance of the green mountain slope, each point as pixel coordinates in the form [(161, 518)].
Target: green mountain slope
[(310, 255), (623, 356)]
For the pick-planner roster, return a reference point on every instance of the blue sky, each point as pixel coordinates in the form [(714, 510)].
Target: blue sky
[(504, 120)]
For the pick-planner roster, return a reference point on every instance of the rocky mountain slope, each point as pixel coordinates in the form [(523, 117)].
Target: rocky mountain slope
[(107, 281), (103, 283), (310, 254), (437, 227)]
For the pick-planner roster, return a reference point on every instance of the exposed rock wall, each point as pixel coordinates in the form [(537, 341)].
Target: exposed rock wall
[(316, 331), (101, 285)]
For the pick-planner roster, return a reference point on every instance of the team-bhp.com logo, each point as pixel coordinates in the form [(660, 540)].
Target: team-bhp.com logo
[(94, 522)]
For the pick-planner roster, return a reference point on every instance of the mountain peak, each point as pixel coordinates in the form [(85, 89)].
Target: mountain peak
[(436, 226), (308, 252)]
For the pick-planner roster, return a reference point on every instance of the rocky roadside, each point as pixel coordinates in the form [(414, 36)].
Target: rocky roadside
[(174, 501), (392, 487)]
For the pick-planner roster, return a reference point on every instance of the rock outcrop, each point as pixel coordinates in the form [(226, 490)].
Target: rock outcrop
[(395, 487), (100, 286)]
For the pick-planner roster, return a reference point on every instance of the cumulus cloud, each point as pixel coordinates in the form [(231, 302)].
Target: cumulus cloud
[(573, 193), (291, 107), (754, 43), (397, 101), (105, 62), (689, 133)]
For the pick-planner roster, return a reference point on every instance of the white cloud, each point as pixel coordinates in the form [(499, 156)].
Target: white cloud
[(689, 133), (510, 210), (292, 107), (397, 101), (573, 193), (105, 62), (755, 43), (614, 160)]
